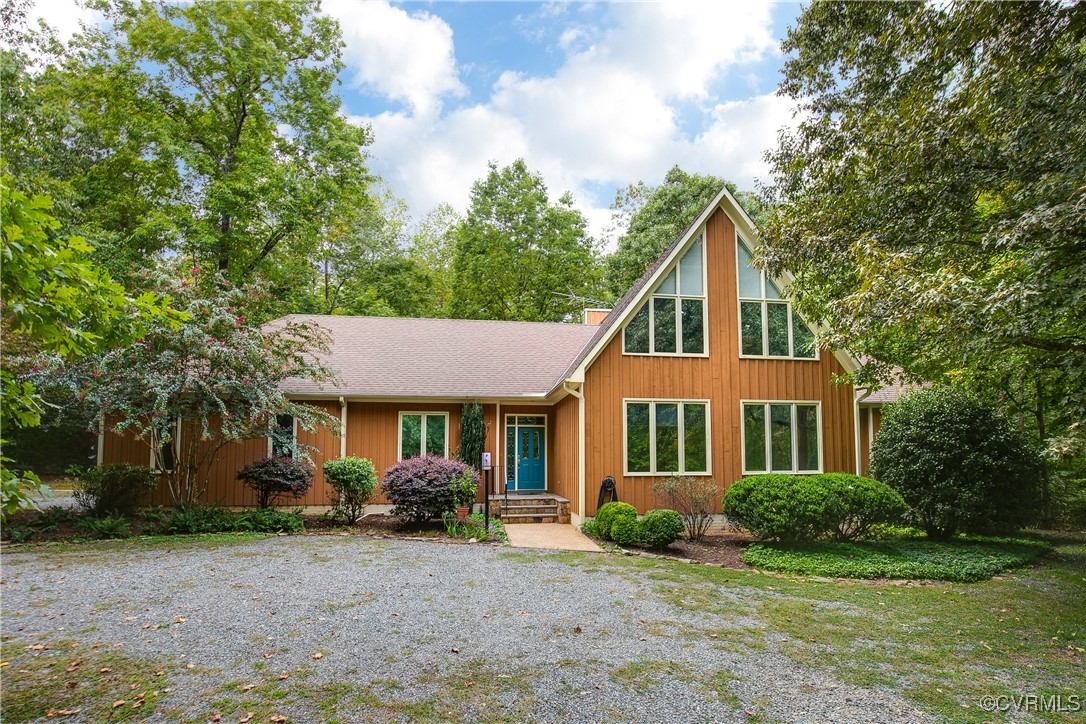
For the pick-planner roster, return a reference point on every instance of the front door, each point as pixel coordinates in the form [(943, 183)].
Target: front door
[(526, 450)]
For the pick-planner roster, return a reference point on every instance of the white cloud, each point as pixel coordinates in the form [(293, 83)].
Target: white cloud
[(405, 57), (63, 15), (609, 115)]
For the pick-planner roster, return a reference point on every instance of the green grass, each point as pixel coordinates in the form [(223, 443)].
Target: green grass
[(960, 560)]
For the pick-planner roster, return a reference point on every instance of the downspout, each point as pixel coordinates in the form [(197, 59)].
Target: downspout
[(579, 394), (100, 453), (342, 427), (856, 425), (499, 450)]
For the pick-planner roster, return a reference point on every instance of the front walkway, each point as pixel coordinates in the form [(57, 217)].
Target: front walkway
[(553, 536)]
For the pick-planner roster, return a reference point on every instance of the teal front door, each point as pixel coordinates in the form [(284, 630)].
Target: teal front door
[(531, 452)]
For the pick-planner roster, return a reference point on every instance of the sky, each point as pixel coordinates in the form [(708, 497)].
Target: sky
[(593, 96)]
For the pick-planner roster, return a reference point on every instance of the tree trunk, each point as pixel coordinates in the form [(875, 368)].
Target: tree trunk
[(1046, 499)]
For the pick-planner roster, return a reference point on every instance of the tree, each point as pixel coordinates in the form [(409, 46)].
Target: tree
[(653, 216), (518, 256), (189, 392), (433, 248), (212, 129), (472, 435), (931, 204), (54, 302)]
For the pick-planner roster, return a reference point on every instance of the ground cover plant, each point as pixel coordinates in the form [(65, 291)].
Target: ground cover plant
[(954, 560)]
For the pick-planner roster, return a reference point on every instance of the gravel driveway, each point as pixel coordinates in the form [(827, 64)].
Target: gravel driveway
[(323, 628)]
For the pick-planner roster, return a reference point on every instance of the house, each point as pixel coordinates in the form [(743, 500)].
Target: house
[(703, 368)]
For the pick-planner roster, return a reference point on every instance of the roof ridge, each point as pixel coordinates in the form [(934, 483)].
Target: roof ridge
[(430, 319)]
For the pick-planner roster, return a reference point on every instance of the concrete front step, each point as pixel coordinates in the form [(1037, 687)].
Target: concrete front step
[(533, 508), (543, 509), (530, 517)]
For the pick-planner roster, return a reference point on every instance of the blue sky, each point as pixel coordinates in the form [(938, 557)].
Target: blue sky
[(594, 96)]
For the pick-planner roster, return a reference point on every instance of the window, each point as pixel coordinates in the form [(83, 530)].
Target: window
[(672, 320), (283, 439), (767, 325), (781, 437), (424, 433), (165, 457), (667, 436)]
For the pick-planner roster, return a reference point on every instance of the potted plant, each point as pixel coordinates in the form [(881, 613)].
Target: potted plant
[(464, 489)]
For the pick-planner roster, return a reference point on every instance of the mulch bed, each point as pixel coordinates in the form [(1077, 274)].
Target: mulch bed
[(717, 550)]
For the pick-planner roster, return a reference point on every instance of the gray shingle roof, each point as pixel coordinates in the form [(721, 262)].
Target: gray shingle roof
[(393, 357)]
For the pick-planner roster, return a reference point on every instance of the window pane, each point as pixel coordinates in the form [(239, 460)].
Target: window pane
[(435, 434), (637, 437), (693, 326), (411, 435), (780, 429), (754, 437), (695, 440), (750, 278), (636, 335), (752, 327), (802, 338), (668, 285), (282, 438), (667, 437), (690, 270), (531, 420), (806, 437), (510, 453), (777, 322), (771, 291), (663, 324)]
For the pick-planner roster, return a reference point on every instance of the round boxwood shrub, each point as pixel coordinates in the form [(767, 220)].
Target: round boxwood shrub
[(777, 507), (276, 477), (959, 464), (611, 512), (660, 528), (353, 480), (420, 487), (855, 505), (626, 531)]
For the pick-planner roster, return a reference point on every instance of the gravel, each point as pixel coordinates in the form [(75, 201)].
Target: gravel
[(417, 630)]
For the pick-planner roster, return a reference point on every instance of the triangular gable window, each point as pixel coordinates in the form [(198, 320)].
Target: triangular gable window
[(671, 321), (768, 325)]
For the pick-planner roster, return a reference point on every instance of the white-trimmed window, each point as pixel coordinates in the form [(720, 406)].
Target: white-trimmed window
[(672, 320), (164, 458), (283, 440), (767, 325), (666, 436), (423, 433), (782, 437)]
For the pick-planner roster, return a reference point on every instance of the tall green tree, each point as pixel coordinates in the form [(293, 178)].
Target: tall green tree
[(519, 256), (56, 302), (931, 204), (433, 248), (652, 216), (214, 130)]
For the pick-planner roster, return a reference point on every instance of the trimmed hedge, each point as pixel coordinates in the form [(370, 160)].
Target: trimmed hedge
[(420, 488), (611, 512), (626, 531), (660, 528), (808, 507)]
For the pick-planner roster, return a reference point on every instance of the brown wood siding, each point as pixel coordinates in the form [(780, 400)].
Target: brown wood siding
[(564, 468), (722, 378)]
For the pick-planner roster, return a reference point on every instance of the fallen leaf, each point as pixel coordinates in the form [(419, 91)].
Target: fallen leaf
[(283, 675), (104, 670), (455, 650), (247, 687), (137, 704), (216, 717), (37, 647), (179, 620), (74, 666), (278, 718), (190, 666), (119, 702), (4, 663), (248, 717), (318, 655)]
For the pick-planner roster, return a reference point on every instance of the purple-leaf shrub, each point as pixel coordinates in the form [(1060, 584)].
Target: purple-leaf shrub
[(420, 487), (272, 478)]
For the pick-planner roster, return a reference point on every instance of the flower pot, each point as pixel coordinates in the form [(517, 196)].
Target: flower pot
[(462, 513)]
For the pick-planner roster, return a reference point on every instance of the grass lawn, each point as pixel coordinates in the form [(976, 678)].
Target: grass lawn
[(960, 560), (942, 645)]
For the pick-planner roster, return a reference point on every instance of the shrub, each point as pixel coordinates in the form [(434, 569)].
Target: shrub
[(626, 531), (856, 505), (114, 489), (472, 435), (693, 498), (273, 477), (591, 528), (420, 487), (777, 507), (353, 480), (611, 512), (660, 528), (189, 519), (113, 526), (959, 464), (807, 507), (267, 520)]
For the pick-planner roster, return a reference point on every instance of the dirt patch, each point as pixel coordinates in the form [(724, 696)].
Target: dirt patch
[(717, 550)]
